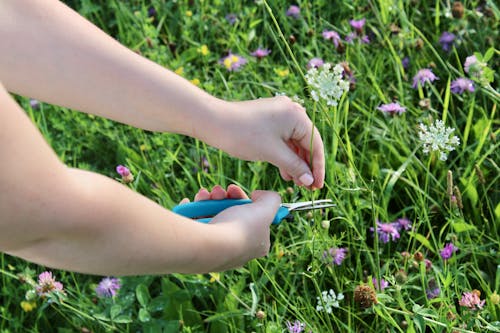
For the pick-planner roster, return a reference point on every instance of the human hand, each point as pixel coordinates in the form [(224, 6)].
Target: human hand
[(276, 130), (244, 228)]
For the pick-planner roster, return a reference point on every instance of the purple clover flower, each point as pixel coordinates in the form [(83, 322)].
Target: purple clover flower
[(123, 171), (461, 85), (392, 108), (108, 287), (333, 36), (260, 53), (358, 25), (446, 40), (231, 18), (293, 11), (470, 63), (433, 292), (295, 327), (383, 284), (424, 76), (448, 251), (403, 224), (315, 62), (405, 62), (335, 255), (386, 231), (232, 62)]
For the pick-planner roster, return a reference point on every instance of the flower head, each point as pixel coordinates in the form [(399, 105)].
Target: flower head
[(448, 251), (328, 300), (436, 137), (471, 300), (326, 84), (333, 36), (123, 171), (470, 64), (295, 327), (28, 306), (47, 284), (232, 62), (315, 63), (405, 62), (231, 18), (424, 76), (392, 108), (358, 24), (383, 284), (335, 255), (460, 85), (365, 296), (403, 224), (433, 292), (108, 287), (293, 11), (446, 40), (386, 231), (261, 53)]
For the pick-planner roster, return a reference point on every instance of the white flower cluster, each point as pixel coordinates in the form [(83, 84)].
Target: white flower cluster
[(437, 138), (328, 300), (327, 84)]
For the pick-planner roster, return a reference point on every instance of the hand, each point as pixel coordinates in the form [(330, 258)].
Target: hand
[(276, 130), (246, 226)]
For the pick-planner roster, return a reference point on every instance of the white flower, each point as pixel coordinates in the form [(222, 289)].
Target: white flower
[(328, 300), (326, 84), (437, 138)]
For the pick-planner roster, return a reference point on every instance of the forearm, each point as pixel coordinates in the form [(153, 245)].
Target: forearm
[(53, 54), (102, 227)]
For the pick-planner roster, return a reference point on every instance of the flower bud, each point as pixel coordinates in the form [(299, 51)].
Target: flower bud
[(495, 298), (325, 224), (457, 10), (260, 314)]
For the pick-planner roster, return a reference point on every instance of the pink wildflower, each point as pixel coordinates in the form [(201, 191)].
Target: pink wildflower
[(232, 62), (261, 53), (293, 11), (47, 284), (471, 300), (392, 108)]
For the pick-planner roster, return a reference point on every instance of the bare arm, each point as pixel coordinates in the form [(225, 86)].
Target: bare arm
[(51, 53), (80, 221)]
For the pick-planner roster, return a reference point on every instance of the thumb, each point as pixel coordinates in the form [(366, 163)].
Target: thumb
[(265, 205)]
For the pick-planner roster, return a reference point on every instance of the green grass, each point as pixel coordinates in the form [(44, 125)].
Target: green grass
[(375, 170)]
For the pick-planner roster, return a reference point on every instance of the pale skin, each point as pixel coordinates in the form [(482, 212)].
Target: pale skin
[(74, 219)]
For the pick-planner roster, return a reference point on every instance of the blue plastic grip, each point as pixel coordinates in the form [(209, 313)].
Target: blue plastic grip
[(203, 210)]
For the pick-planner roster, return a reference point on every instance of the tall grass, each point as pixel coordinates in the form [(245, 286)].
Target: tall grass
[(375, 171)]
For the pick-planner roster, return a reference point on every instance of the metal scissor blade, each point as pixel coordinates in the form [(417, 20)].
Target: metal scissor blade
[(308, 205), (313, 207)]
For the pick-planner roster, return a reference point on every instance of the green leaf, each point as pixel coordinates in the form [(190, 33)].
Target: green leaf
[(424, 241), (123, 319), (142, 294), (489, 54), (419, 322), (115, 311), (462, 226), (144, 315)]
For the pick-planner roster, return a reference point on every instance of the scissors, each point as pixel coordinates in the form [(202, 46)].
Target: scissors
[(203, 210)]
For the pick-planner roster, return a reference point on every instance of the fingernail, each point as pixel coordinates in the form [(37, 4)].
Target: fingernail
[(306, 179)]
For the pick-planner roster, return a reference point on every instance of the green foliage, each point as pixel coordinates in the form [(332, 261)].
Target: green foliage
[(376, 171)]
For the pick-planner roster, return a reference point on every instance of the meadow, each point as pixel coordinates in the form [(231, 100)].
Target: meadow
[(404, 94)]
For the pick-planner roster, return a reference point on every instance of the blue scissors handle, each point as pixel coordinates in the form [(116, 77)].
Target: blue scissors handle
[(203, 210)]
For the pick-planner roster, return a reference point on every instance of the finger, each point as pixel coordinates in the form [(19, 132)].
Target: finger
[(184, 201), (235, 192), (202, 194), (285, 174), (218, 193), (294, 165)]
